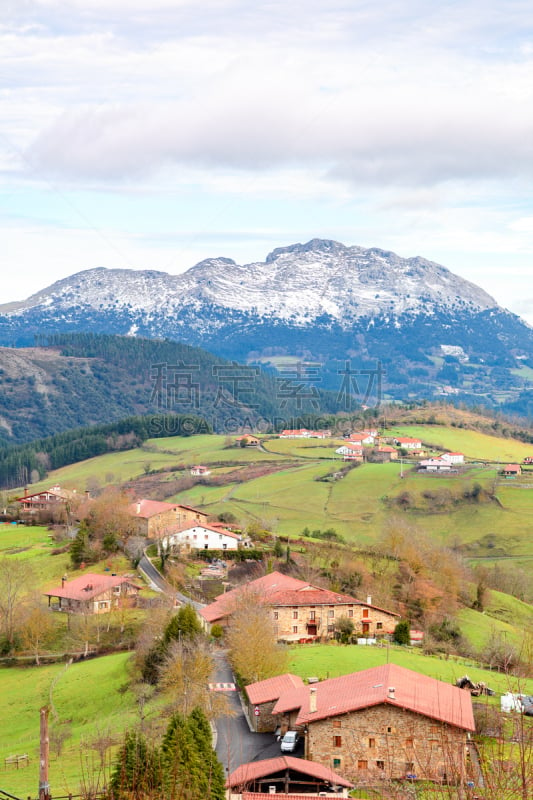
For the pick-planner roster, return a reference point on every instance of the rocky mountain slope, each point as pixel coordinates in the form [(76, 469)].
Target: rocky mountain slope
[(322, 302)]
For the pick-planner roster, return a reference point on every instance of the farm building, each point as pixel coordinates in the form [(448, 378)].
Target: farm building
[(91, 593), (205, 537), (287, 777), (386, 722), (154, 518), (301, 611)]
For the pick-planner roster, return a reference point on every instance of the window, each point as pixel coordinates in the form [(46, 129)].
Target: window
[(365, 613), (331, 612), (350, 612), (336, 763), (295, 614), (410, 767), (379, 626), (224, 546), (380, 764), (362, 764), (312, 615), (390, 730), (337, 741), (295, 628), (408, 742), (371, 742), (276, 615), (336, 723)]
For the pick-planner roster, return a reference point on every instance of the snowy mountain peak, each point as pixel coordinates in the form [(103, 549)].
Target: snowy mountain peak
[(297, 284)]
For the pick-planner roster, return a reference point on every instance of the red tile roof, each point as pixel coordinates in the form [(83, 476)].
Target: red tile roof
[(273, 688), (188, 526), (150, 508), (270, 766), (88, 586), (370, 687), (309, 596), (275, 589), (262, 587)]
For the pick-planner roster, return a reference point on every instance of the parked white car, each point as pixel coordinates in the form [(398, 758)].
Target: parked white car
[(289, 742)]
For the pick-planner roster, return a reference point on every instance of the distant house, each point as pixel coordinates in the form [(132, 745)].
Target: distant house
[(247, 440), (200, 471), (416, 637), (205, 537), (91, 593), (385, 452), (154, 518), (512, 469), (365, 437), (303, 433), (350, 452), (454, 458), (383, 723), (408, 443), (287, 777), (299, 610), (435, 465), (528, 460)]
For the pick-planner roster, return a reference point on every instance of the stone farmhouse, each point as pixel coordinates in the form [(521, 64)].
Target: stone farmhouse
[(262, 696), (92, 593), (154, 518), (382, 723), (289, 777), (301, 611)]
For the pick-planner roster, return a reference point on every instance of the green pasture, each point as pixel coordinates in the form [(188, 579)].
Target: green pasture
[(91, 696), (331, 660), (475, 445), (305, 448), (478, 628), (34, 545)]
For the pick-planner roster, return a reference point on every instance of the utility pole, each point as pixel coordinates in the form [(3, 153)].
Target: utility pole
[(44, 751)]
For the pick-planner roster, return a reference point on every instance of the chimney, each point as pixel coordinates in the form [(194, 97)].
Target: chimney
[(138, 507), (312, 700), (392, 693), (369, 600), (63, 579)]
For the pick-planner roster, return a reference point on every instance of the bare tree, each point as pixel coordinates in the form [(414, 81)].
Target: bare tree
[(15, 586), (253, 647)]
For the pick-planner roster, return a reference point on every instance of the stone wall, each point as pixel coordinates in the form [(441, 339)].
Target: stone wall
[(387, 742), (293, 622)]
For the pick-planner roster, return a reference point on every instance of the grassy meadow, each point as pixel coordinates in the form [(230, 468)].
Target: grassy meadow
[(88, 698)]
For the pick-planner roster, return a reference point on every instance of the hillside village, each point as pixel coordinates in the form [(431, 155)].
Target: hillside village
[(383, 727)]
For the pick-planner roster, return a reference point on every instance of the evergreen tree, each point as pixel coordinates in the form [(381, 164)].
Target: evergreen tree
[(137, 773), (201, 730), (183, 625), (185, 773), (402, 633)]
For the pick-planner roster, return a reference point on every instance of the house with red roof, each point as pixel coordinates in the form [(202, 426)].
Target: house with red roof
[(205, 537), (92, 593), (454, 458), (408, 443), (51, 503), (386, 722), (155, 518), (287, 777), (300, 612), (200, 471), (262, 696), (512, 469), (350, 452)]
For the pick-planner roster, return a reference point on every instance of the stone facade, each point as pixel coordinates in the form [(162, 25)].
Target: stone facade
[(318, 621), (265, 722), (388, 742)]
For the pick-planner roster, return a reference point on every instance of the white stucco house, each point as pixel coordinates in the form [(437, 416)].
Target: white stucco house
[(204, 537)]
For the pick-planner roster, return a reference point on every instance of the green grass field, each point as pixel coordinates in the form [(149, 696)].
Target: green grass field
[(475, 445), (331, 660), (91, 696)]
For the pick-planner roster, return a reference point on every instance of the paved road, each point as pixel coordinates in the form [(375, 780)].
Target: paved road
[(236, 745), (159, 583)]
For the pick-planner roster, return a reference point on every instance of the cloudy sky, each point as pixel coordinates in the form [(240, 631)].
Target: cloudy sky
[(153, 135)]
